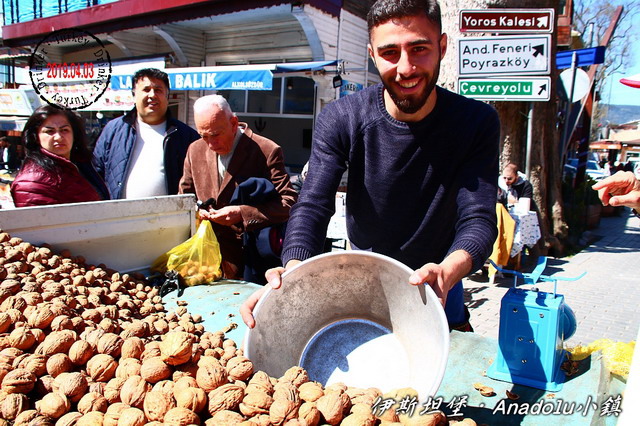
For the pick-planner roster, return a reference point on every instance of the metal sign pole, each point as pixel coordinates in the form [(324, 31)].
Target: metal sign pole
[(529, 140), (566, 136)]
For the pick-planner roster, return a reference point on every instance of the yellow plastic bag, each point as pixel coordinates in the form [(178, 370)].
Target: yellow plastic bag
[(197, 260), (616, 355)]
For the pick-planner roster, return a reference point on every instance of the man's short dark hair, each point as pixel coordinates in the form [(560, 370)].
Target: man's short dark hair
[(384, 10), (151, 73)]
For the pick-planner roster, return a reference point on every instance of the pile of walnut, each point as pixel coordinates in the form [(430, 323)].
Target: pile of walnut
[(83, 345)]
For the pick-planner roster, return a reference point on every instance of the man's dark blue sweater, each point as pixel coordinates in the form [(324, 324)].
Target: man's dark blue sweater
[(416, 191)]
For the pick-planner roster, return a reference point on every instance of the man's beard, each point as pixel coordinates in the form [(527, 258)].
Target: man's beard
[(412, 104)]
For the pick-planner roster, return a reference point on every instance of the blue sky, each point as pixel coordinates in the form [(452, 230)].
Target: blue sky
[(617, 93)]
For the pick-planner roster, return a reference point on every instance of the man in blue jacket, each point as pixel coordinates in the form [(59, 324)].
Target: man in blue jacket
[(141, 154)]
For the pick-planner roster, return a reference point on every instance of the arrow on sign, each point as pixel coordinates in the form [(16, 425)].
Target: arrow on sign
[(543, 88), (538, 50), (543, 22)]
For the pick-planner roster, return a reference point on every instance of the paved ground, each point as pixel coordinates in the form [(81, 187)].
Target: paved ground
[(606, 301)]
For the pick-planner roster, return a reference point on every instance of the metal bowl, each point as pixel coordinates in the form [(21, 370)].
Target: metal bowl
[(352, 317)]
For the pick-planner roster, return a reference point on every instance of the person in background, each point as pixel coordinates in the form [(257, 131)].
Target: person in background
[(141, 154), (517, 187), (242, 179), (621, 189), (9, 159), (57, 168), (421, 187)]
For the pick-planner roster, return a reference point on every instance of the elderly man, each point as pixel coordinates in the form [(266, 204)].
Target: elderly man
[(240, 174), (141, 153)]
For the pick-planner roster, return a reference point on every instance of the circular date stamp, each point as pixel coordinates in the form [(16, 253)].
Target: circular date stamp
[(70, 85)]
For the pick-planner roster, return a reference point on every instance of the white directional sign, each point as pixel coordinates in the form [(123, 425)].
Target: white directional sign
[(511, 55), (506, 88)]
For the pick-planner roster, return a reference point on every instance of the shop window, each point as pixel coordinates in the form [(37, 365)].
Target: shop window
[(298, 95), (236, 99), (266, 101)]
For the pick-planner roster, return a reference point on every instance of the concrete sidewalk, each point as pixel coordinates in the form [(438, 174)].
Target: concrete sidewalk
[(606, 301)]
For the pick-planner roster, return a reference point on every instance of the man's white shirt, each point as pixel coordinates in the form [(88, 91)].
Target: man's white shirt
[(146, 174)]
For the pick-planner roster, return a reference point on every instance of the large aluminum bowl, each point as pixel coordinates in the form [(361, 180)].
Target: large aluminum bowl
[(352, 317)]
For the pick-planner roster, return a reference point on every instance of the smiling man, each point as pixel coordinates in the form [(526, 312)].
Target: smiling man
[(141, 154), (423, 164)]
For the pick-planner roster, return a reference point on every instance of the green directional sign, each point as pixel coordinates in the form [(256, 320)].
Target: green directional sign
[(506, 88)]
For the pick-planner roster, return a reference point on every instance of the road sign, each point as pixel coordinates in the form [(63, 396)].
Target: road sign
[(589, 56), (511, 55), (506, 88), (507, 20)]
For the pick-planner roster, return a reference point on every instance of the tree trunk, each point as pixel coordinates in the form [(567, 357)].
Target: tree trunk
[(545, 162)]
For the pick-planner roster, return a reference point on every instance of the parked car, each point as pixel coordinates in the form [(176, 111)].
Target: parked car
[(593, 169)]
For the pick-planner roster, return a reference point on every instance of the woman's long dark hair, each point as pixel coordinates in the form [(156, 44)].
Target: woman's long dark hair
[(31, 139)]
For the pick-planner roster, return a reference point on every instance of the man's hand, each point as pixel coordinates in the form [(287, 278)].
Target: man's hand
[(621, 189), (227, 216), (443, 276), (274, 280)]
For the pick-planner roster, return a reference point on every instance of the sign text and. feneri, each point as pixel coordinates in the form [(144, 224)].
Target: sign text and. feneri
[(504, 55)]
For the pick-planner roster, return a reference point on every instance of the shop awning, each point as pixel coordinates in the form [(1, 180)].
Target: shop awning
[(12, 123), (233, 77), (633, 81)]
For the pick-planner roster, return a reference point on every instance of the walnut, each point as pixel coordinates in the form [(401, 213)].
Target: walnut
[(193, 398), (69, 419), (260, 381), (225, 397), (166, 386), (112, 389), (309, 413), (92, 336), (184, 383), (101, 367), (359, 419), (181, 416), (110, 344), (81, 352), (156, 404), (37, 364), (92, 418), (134, 390), (13, 404), (92, 401), (53, 405), (59, 363), (57, 342), (211, 375), (226, 418), (310, 391), (331, 407), (295, 375), (239, 368), (256, 402), (73, 385), (154, 369), (22, 338), (132, 417), (128, 367), (25, 417), (285, 390), (19, 380), (113, 413), (176, 348), (5, 322), (62, 322), (132, 347)]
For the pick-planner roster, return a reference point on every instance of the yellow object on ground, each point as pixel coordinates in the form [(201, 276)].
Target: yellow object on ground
[(616, 355), (502, 245)]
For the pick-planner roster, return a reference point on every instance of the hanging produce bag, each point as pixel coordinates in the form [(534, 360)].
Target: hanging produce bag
[(197, 260)]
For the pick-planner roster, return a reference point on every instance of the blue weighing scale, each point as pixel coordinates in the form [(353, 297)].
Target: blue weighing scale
[(533, 327)]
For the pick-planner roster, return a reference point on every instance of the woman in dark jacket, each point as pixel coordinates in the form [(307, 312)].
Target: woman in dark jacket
[(57, 168)]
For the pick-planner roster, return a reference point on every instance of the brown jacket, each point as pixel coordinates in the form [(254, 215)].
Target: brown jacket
[(255, 156)]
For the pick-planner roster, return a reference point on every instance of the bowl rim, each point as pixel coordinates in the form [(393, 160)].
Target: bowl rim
[(430, 294)]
